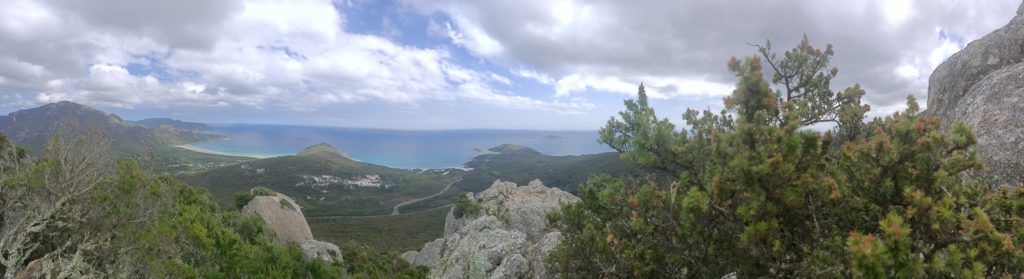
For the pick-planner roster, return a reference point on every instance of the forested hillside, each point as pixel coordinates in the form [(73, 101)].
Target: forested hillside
[(78, 211)]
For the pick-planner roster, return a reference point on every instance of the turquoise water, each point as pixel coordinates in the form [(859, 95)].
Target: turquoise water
[(398, 148)]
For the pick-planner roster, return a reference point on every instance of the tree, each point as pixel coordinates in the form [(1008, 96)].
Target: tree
[(41, 199), (804, 80), (12, 158), (759, 194)]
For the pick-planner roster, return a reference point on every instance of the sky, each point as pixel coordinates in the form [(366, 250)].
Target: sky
[(453, 64)]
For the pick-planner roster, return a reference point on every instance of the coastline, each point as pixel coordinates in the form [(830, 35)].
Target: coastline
[(207, 151)]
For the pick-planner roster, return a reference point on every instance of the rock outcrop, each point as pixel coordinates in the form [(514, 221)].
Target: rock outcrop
[(508, 237), (284, 217), (983, 86)]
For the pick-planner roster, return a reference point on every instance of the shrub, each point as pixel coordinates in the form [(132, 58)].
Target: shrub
[(464, 205), (759, 194)]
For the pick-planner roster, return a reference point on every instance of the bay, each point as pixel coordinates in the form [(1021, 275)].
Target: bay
[(396, 148)]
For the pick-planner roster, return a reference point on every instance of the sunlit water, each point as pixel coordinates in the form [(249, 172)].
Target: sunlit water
[(397, 148)]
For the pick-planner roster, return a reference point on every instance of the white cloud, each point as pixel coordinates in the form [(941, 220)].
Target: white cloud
[(655, 87), (530, 74), (888, 46), (897, 12), (470, 36), (260, 53), (908, 71)]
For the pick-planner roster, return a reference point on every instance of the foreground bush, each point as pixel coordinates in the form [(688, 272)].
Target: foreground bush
[(758, 193)]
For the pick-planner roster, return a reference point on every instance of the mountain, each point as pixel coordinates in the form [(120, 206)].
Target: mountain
[(324, 181), (178, 124), (513, 149), (34, 128), (981, 86), (326, 151)]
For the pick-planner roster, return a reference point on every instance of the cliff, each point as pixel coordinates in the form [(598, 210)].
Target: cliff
[(507, 237), (983, 86)]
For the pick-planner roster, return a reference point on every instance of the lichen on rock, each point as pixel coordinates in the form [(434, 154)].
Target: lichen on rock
[(507, 238), (284, 217), (983, 86)]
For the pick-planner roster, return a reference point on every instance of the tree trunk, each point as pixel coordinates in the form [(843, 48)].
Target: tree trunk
[(11, 271)]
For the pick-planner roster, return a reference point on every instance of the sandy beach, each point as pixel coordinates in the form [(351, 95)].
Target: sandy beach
[(207, 151)]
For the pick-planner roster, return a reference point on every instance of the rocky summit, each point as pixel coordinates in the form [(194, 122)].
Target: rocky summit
[(983, 86), (507, 238), (284, 217)]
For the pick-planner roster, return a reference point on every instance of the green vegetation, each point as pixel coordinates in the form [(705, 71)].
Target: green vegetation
[(12, 158), (464, 205), (513, 149), (243, 198), (366, 262), (184, 125), (758, 193), (322, 149), (79, 213), (262, 191), (388, 233), (323, 183), (176, 161), (564, 172), (285, 204)]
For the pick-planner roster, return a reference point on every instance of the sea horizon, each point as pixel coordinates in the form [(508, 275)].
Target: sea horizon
[(397, 148)]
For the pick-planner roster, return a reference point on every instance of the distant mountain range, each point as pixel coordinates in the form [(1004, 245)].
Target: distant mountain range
[(183, 125), (34, 128)]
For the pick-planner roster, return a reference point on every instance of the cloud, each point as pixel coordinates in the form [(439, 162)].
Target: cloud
[(302, 55), (258, 53), (655, 87), (538, 77), (889, 47)]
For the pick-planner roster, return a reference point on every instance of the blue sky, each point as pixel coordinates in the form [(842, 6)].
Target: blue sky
[(451, 64)]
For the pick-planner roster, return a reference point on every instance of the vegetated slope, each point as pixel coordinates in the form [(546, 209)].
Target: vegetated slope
[(388, 233), (324, 182), (75, 213), (522, 164), (34, 127), (178, 124), (180, 161), (513, 149)]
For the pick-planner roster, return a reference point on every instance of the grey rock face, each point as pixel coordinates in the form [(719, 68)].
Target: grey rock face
[(284, 217), (982, 86), (509, 238), (427, 256), (481, 249), (323, 250)]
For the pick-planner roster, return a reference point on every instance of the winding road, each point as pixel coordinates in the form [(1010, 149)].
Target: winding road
[(395, 211)]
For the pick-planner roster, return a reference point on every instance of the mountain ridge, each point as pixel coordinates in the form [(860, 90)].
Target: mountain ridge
[(178, 124), (35, 126)]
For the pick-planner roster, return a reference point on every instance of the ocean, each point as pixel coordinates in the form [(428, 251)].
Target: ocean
[(396, 148)]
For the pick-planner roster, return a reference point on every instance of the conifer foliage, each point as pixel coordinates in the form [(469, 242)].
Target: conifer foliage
[(757, 192)]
